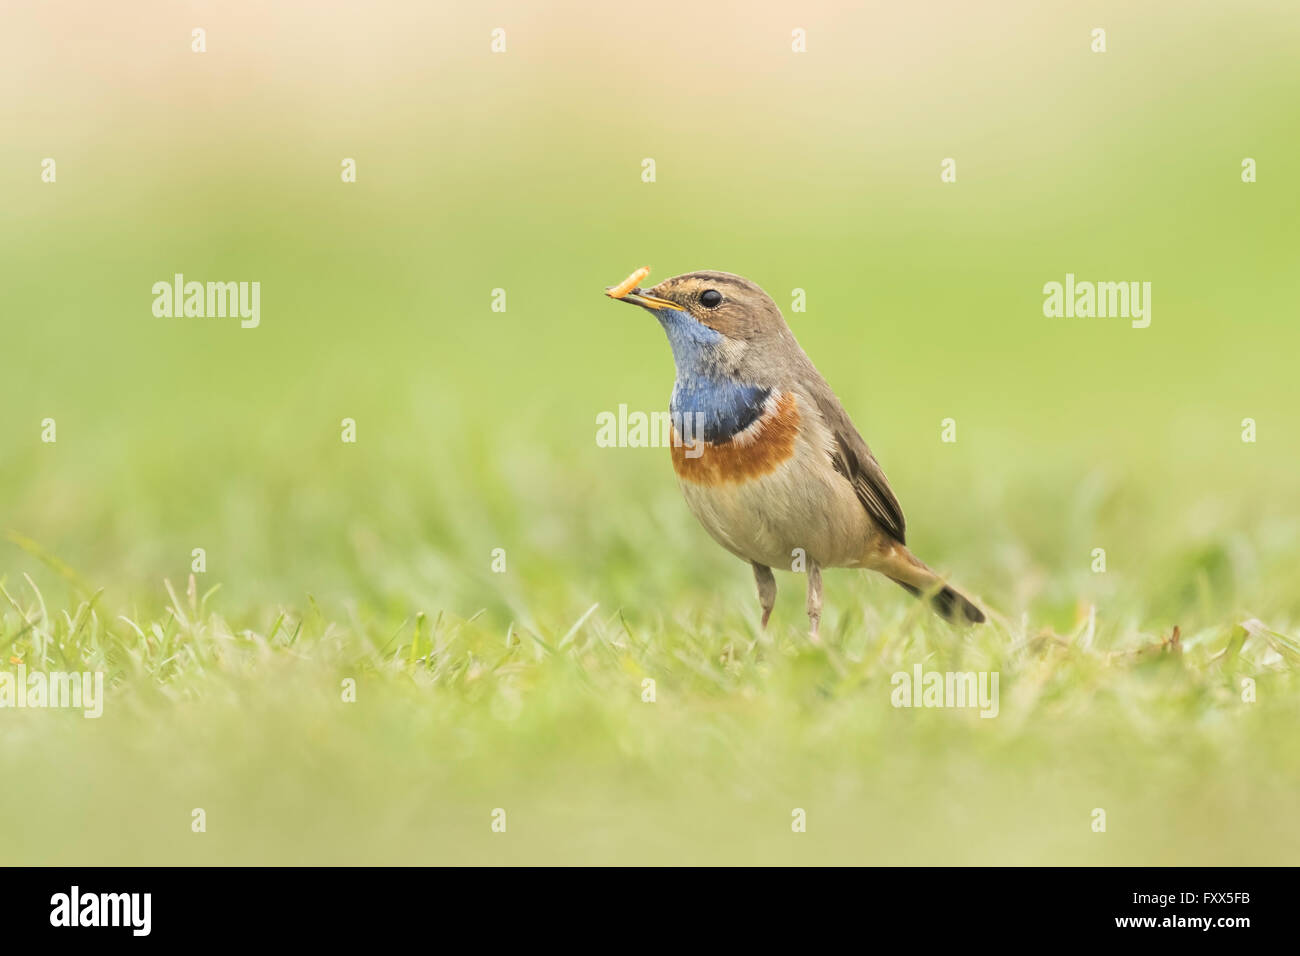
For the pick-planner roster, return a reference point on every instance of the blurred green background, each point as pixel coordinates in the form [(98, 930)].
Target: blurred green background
[(476, 429)]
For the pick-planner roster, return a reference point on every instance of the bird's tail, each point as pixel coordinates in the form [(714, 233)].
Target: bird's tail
[(908, 571)]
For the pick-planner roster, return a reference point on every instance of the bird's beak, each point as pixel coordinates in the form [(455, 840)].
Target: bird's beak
[(647, 301)]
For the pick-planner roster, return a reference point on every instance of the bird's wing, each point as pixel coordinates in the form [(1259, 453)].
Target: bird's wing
[(853, 459)]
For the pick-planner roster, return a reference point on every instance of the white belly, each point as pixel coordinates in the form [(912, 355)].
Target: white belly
[(802, 504)]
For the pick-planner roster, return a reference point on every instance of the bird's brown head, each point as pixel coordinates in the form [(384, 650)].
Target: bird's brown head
[(728, 304)]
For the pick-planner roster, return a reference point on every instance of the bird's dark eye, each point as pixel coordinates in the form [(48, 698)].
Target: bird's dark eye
[(711, 298)]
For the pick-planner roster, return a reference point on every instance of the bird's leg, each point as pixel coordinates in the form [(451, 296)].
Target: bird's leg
[(814, 601), (766, 590)]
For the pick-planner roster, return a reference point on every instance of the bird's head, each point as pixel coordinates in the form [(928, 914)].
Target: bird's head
[(709, 316), (728, 304)]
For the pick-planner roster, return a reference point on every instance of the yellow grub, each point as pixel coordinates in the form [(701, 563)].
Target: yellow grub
[(628, 284)]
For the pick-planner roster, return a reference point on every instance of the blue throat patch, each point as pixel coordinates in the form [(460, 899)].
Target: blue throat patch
[(716, 411), (724, 405)]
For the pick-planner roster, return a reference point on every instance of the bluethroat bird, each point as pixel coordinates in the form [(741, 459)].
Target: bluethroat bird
[(773, 467)]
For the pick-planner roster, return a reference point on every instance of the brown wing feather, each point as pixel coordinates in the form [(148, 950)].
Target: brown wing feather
[(853, 459)]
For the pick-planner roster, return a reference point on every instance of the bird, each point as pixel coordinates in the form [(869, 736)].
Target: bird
[(765, 454)]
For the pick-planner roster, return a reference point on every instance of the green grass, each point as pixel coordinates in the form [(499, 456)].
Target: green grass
[(523, 691)]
